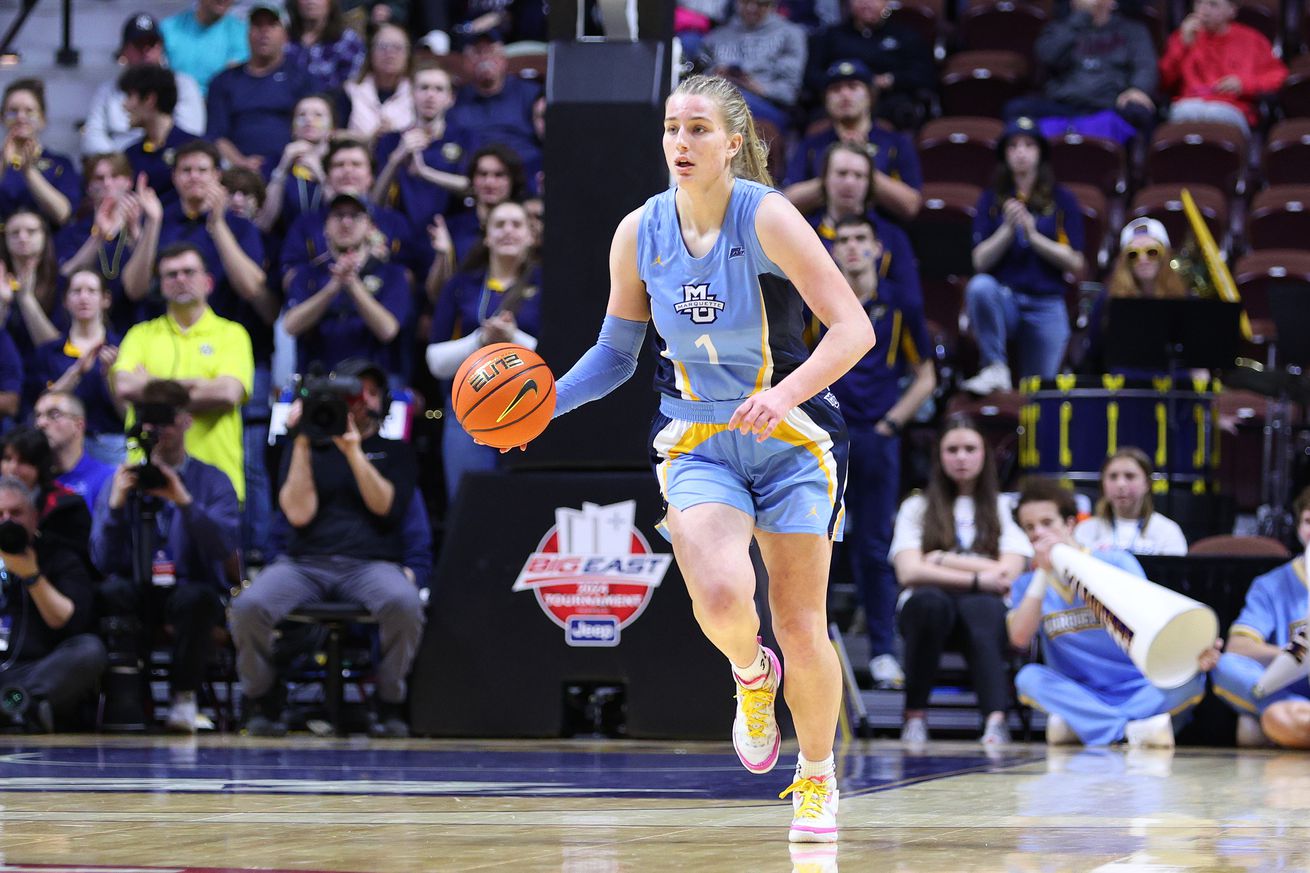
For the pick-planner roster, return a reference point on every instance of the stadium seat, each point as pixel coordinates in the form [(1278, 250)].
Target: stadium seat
[(942, 233), (921, 16), (1248, 546), (980, 91), (1165, 203), (1256, 271), (943, 304), (528, 66), (1294, 97), (1265, 16), (1090, 160), (1093, 207), (959, 149), (1154, 17), (1280, 218), (988, 59), (1287, 153), (1198, 152), (1004, 25)]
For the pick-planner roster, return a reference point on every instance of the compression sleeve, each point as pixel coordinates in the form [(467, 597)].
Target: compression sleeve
[(603, 367)]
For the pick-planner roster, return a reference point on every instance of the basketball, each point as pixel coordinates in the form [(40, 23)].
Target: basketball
[(503, 395)]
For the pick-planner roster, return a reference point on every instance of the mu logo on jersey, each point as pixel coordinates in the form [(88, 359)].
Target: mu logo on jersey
[(698, 303)]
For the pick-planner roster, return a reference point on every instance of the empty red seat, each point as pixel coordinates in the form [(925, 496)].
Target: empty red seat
[(1091, 203), (980, 91), (921, 16), (1294, 96), (1287, 153), (1255, 272), (1090, 160), (942, 232), (1198, 152), (959, 148), (1280, 218), (1003, 25)]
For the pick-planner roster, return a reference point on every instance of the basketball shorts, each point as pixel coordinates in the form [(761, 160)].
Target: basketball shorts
[(793, 482)]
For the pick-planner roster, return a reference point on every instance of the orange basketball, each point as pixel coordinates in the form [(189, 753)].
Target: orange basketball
[(503, 395)]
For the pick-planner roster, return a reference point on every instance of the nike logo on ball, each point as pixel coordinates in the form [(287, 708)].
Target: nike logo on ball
[(530, 385)]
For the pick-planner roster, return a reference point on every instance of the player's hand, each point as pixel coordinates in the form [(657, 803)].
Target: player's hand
[(1210, 657), (761, 414)]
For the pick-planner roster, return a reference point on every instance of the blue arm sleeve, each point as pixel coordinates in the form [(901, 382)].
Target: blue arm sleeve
[(603, 367)]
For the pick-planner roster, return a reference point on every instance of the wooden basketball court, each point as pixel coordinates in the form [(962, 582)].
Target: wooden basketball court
[(227, 803)]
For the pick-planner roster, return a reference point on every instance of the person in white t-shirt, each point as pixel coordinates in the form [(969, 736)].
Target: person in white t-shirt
[(956, 549), (1125, 518)]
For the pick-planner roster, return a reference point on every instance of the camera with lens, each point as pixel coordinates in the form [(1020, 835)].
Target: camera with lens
[(325, 404), (144, 435), (13, 538)]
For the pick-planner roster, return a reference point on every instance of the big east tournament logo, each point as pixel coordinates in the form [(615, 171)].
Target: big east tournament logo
[(593, 573)]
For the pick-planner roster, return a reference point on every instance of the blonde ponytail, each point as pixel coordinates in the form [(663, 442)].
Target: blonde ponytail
[(752, 159)]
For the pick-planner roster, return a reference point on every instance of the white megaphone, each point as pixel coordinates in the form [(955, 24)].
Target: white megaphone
[(1288, 665), (1162, 631)]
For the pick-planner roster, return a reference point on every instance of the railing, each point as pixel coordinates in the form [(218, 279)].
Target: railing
[(66, 55)]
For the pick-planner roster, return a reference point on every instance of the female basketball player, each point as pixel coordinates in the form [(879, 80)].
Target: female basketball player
[(749, 440)]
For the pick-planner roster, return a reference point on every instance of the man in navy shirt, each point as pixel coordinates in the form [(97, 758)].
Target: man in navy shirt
[(61, 416), (495, 107), (876, 409), (150, 96), (250, 106), (350, 303), (849, 101), (191, 522)]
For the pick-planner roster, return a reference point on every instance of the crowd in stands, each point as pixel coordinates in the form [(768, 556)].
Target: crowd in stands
[(326, 184)]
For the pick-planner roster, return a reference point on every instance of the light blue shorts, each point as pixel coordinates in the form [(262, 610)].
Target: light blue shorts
[(793, 482)]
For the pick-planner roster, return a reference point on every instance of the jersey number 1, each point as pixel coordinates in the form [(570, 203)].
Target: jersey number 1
[(704, 342)]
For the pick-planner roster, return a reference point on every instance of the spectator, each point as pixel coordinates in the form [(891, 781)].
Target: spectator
[(351, 304), (380, 99), (1273, 616), (849, 99), (957, 550), (903, 70), (321, 45), (246, 192), (62, 418), (350, 171), (494, 298), (422, 166), (205, 41), (250, 106), (1027, 234), (1100, 70), (34, 178), (149, 96), (295, 185), (763, 54), (345, 497), (209, 355), (1093, 693), (847, 173), (62, 516), (1216, 69), (59, 659), (1144, 267), (1126, 518), (107, 129), (181, 515), (693, 19), (29, 277), (78, 363), (875, 409), (495, 175), (494, 107)]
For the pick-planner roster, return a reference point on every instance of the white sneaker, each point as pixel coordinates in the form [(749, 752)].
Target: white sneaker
[(914, 732), (1156, 732), (1058, 732), (814, 809), (755, 734), (887, 674), (995, 733), (183, 713), (993, 377), (1249, 733)]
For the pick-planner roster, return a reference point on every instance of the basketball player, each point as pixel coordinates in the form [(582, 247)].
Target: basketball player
[(1092, 692), (748, 440), (1274, 613)]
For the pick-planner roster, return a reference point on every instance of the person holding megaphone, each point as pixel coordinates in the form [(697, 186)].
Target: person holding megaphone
[(1092, 691), (1263, 673)]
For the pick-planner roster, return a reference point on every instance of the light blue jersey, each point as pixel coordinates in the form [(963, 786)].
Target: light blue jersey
[(1275, 605), (730, 323)]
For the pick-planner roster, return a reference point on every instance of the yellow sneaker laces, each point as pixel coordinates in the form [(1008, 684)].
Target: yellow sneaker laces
[(755, 704), (814, 794)]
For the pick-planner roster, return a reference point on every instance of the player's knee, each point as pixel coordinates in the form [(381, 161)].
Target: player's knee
[(719, 605), (802, 634), (1287, 723)]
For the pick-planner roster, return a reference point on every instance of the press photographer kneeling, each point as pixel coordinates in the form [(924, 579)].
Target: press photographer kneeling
[(162, 532), (50, 661), (345, 490)]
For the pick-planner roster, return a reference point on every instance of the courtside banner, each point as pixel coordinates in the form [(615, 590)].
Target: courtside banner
[(593, 573)]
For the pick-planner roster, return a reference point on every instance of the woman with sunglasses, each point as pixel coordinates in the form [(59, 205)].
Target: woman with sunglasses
[(1144, 269), (1027, 236), (33, 178)]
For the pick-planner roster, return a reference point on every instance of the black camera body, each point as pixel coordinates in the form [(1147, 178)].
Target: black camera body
[(156, 415), (325, 405)]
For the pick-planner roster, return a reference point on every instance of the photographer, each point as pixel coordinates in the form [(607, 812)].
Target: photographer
[(181, 517), (51, 661), (345, 491)]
